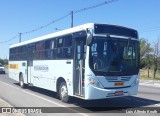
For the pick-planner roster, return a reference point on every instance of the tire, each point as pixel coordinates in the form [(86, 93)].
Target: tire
[(63, 92), (21, 81)]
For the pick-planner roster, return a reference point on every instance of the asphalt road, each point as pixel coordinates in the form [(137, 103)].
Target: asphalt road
[(148, 99)]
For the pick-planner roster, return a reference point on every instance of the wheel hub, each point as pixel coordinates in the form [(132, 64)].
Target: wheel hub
[(64, 91)]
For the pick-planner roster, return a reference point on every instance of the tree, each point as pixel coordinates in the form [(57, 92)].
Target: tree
[(156, 58), (4, 61), (145, 50)]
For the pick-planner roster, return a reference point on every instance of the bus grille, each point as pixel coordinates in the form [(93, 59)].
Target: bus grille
[(117, 78)]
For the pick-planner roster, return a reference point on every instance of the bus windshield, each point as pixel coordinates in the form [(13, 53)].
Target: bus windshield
[(114, 56)]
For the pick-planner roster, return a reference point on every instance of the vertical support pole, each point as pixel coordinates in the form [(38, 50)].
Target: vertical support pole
[(20, 34), (71, 19)]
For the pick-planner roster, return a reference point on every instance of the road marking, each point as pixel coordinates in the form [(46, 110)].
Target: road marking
[(10, 85), (156, 85), (146, 82), (45, 99), (157, 105), (150, 83)]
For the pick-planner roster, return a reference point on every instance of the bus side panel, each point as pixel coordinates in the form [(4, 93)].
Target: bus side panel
[(45, 73), (15, 67), (24, 71)]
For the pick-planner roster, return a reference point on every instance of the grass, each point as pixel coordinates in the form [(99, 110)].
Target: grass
[(144, 75)]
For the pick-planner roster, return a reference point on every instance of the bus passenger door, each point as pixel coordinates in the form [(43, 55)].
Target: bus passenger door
[(30, 52), (79, 68)]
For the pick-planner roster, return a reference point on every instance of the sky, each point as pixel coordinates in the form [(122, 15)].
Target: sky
[(20, 16)]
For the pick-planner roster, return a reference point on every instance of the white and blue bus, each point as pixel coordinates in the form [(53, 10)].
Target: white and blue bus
[(91, 61)]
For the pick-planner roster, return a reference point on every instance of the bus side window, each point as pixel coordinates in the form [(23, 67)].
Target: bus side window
[(67, 52), (53, 49), (67, 47), (64, 47), (39, 53), (59, 48), (47, 49), (24, 53), (31, 51)]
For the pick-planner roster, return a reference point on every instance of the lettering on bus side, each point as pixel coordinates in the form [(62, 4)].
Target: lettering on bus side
[(42, 68), (13, 66)]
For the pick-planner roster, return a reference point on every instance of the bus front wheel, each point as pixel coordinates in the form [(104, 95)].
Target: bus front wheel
[(63, 92)]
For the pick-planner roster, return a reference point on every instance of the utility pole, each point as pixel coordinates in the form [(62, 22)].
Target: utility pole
[(20, 37), (71, 19)]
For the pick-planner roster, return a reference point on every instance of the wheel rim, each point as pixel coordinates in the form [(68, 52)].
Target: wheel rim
[(64, 91)]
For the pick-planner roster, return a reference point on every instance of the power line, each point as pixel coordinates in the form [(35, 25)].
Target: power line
[(61, 18), (71, 13), (94, 6), (90, 7), (9, 39), (27, 32), (44, 26)]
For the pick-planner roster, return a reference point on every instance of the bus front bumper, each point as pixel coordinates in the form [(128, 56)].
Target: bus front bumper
[(93, 92)]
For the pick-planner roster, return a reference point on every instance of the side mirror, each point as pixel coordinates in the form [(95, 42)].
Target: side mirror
[(89, 36)]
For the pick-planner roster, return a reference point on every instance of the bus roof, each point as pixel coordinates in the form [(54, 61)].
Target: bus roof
[(64, 32), (56, 34)]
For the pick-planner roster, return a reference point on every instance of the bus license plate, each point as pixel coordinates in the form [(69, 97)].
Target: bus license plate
[(119, 84), (118, 93)]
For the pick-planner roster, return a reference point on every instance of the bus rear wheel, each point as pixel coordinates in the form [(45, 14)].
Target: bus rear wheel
[(63, 92), (21, 81)]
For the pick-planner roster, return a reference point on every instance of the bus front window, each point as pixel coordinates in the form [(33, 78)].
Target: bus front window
[(114, 56)]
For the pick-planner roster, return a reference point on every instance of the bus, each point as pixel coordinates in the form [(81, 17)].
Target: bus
[(90, 61)]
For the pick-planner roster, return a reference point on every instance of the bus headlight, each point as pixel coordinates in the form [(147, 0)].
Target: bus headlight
[(94, 82)]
